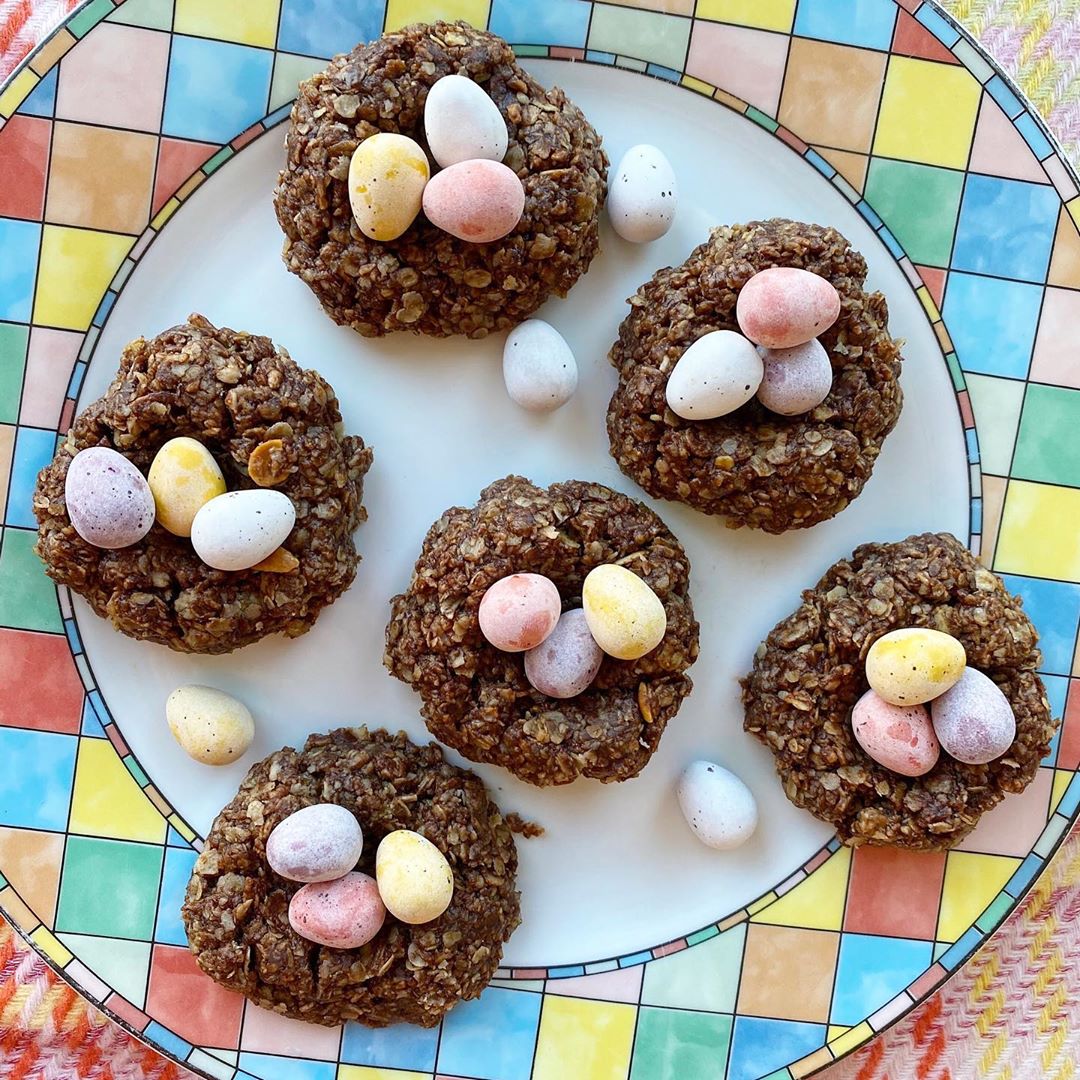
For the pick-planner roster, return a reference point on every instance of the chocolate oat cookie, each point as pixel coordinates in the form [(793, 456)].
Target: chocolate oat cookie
[(268, 423), (428, 281), (753, 466), (809, 673), (237, 909), (477, 698)]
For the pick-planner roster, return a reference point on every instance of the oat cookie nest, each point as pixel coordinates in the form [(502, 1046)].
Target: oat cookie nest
[(237, 909), (267, 422), (426, 280), (752, 466), (477, 698), (809, 673)]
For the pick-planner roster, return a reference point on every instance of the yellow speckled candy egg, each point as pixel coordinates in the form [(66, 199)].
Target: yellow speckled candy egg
[(914, 665), (387, 176), (212, 726), (415, 880), (183, 477), (624, 615)]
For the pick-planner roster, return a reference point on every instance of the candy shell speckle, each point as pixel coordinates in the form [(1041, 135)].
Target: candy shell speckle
[(784, 306), (973, 719), (236, 530), (184, 477), (899, 737), (415, 880), (642, 195), (567, 661), (717, 805), (519, 611), (109, 502), (539, 368), (341, 914), (914, 664), (796, 380), (212, 726), (479, 201), (316, 843), (717, 374), (462, 123), (625, 616), (387, 176)]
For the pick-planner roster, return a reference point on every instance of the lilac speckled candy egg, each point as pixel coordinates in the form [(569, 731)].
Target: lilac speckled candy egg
[(519, 611), (479, 201), (785, 306), (566, 662), (109, 502), (318, 843), (343, 914), (899, 737), (796, 380), (973, 719)]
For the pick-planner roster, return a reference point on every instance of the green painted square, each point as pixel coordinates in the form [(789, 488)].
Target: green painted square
[(89, 17), (704, 978), (123, 965), (531, 50), (649, 35), (919, 203), (13, 339), (289, 72), (218, 160), (995, 914), (995, 404), (1047, 447), (702, 935), (153, 14), (761, 119), (953, 364), (675, 1045), (27, 596), (109, 888), (133, 767)]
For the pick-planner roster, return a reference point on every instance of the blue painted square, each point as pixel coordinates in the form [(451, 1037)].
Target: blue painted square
[(1027, 871), (634, 959), (174, 879), (868, 23), (278, 115), (78, 373), (19, 242), (976, 514), (1006, 228), (937, 24), (871, 971), (972, 442), (215, 89), (104, 308), (1071, 799), (33, 451), (553, 22), (325, 27), (167, 1040), (661, 72), (868, 212), (895, 250), (272, 1067), (41, 101), (402, 1046), (91, 725), (35, 782), (492, 1037), (1001, 93), (819, 163), (71, 631), (992, 323), (962, 949), (100, 707), (598, 57), (759, 1047), (1033, 136), (1054, 608)]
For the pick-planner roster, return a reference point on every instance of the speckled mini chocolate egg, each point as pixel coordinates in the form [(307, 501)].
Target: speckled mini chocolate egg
[(717, 805), (898, 737), (415, 880), (519, 611), (212, 726), (795, 380), (914, 664), (320, 842), (478, 201), (342, 914), (625, 616), (108, 500), (973, 719), (566, 662), (784, 306)]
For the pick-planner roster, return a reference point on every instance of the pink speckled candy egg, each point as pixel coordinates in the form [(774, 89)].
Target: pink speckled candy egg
[(519, 611), (973, 719), (479, 201), (899, 737), (317, 843), (796, 380), (343, 914), (109, 502), (784, 306), (567, 660)]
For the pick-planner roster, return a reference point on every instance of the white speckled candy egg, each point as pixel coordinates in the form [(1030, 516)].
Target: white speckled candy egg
[(539, 368), (914, 664), (519, 611), (108, 500), (796, 380), (567, 661), (462, 123), (241, 528), (899, 737), (184, 477), (717, 805), (784, 306), (973, 719), (212, 726), (643, 195), (387, 176), (341, 914), (316, 843), (415, 880), (718, 373), (625, 616), (479, 201)]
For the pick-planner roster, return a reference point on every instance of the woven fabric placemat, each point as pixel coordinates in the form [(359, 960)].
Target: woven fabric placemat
[(1011, 1013)]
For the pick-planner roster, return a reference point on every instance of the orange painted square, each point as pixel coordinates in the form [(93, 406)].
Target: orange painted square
[(177, 160), (787, 973), (934, 279), (101, 179), (894, 893), (1069, 747), (40, 687), (189, 1002), (24, 148)]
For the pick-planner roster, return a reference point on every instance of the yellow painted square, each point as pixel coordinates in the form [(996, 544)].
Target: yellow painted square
[(588, 1040), (76, 268), (165, 213), (1062, 780), (1039, 535), (699, 85), (971, 883), (923, 293), (17, 91), (254, 22), (763, 14), (849, 1038), (51, 947), (928, 112), (106, 801), (761, 902), (817, 903), (373, 1072), (400, 13)]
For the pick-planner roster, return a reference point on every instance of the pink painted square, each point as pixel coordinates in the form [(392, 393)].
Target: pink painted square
[(189, 1002), (1014, 825), (40, 688), (1069, 746), (1055, 359), (999, 149), (746, 63), (117, 77), (622, 984), (266, 1032), (49, 363)]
